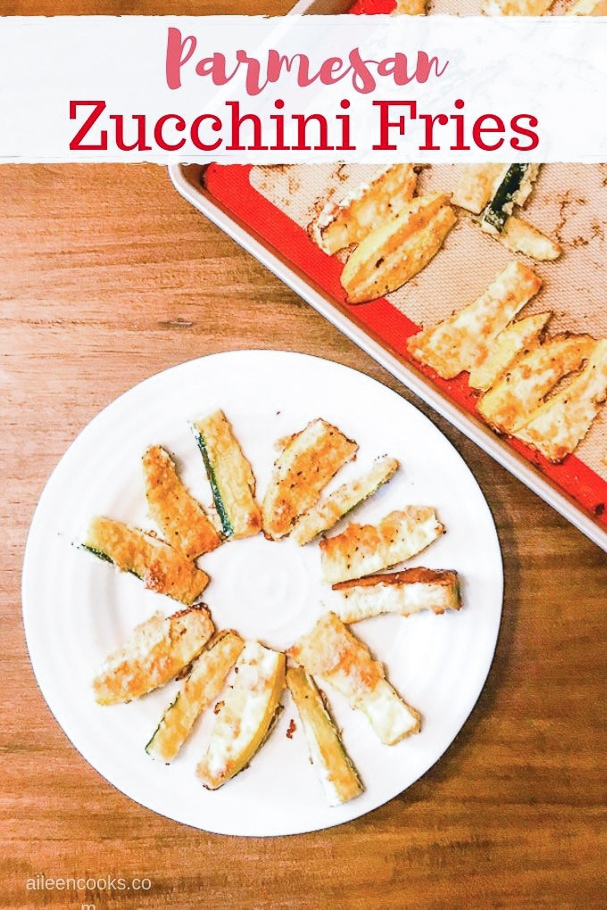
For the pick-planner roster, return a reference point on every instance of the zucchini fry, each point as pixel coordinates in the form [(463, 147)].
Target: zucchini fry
[(230, 475), (337, 774), (410, 8), (159, 649), (511, 341), (365, 549), (515, 7), (558, 426), (181, 518), (306, 464), (333, 652), (196, 693), (588, 8), (341, 224), (464, 339), (326, 513), (508, 405), (520, 237), (476, 186), (406, 592), (514, 188), (398, 249), (161, 567), (245, 717)]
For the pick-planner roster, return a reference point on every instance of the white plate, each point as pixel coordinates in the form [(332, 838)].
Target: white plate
[(78, 608)]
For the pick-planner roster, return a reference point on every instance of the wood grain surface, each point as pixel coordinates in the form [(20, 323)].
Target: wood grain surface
[(108, 276)]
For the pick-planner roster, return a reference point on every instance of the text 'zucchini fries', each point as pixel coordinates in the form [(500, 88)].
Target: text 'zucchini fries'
[(161, 567), (337, 774), (333, 652), (159, 649), (244, 719)]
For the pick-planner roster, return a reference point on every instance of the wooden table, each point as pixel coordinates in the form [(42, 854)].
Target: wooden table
[(109, 276)]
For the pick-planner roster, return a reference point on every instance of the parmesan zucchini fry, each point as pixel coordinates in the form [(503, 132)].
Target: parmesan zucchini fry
[(410, 8), (558, 426), (464, 339), (304, 467), (180, 517), (477, 185), (511, 341), (341, 224), (337, 774), (509, 404), (230, 475), (365, 549), (246, 714), (520, 237), (159, 649), (398, 249), (326, 513), (588, 8), (161, 567), (515, 7), (196, 694), (334, 653), (406, 592), (513, 189)]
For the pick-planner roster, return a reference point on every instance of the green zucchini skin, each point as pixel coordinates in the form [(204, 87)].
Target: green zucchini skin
[(227, 527), (230, 476), (500, 207)]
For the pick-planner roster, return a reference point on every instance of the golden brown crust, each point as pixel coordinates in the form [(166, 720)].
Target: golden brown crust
[(305, 465), (161, 567), (156, 652), (181, 518)]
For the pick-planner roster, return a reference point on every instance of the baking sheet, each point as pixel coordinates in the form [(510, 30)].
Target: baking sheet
[(268, 210)]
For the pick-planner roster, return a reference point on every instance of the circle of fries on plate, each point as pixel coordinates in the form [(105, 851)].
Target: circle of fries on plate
[(242, 682)]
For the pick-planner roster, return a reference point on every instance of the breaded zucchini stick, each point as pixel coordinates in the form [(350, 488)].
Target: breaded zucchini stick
[(508, 405), (405, 592), (181, 518), (158, 649), (337, 774), (399, 248), (162, 568), (246, 714), (334, 653), (459, 342), (364, 549), (558, 426), (328, 511), (306, 464), (196, 693), (230, 476), (341, 224)]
